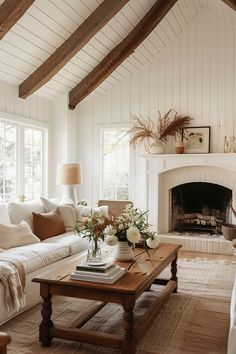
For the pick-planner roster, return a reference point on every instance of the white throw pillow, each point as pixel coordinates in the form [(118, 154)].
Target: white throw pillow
[(50, 205), (4, 216), (12, 235), (23, 211), (88, 211), (66, 208)]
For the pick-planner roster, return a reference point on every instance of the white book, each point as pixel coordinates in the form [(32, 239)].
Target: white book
[(95, 268), (99, 279), (106, 274)]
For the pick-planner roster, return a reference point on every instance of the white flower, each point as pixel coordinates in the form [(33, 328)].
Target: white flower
[(121, 227), (153, 242), (109, 230), (111, 240), (133, 234)]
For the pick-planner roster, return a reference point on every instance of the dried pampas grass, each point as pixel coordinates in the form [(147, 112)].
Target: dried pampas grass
[(144, 131)]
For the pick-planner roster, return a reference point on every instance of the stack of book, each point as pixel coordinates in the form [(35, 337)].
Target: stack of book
[(107, 273)]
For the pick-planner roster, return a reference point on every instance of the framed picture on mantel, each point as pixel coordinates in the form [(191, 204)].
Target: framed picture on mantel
[(196, 139)]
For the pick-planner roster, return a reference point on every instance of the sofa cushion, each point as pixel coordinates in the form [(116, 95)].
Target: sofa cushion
[(23, 211), (37, 255), (75, 243), (4, 216), (50, 224), (87, 211), (12, 235), (50, 205), (67, 210)]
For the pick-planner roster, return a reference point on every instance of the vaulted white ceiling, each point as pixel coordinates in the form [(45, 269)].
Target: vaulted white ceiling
[(48, 23)]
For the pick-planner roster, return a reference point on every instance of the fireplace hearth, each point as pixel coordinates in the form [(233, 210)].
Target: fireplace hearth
[(199, 207)]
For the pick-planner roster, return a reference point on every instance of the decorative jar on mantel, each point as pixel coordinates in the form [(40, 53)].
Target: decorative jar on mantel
[(179, 146), (157, 147)]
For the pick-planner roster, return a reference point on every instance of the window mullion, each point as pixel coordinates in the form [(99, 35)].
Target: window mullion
[(20, 158)]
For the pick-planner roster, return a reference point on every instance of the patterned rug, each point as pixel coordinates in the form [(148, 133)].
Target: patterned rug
[(193, 321)]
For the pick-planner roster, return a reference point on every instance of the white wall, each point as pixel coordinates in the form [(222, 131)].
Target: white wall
[(195, 74)]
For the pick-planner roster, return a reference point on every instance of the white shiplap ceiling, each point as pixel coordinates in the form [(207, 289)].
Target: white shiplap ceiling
[(48, 23)]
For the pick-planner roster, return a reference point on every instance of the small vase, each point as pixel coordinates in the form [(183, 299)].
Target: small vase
[(124, 252), (94, 255), (157, 148), (179, 147)]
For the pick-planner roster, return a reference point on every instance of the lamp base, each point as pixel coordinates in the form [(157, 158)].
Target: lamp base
[(69, 192)]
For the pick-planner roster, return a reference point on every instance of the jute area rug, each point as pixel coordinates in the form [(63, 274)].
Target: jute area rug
[(193, 321)]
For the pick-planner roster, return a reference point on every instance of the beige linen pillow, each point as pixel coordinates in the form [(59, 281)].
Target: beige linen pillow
[(23, 211), (67, 210), (48, 224), (50, 205), (12, 235)]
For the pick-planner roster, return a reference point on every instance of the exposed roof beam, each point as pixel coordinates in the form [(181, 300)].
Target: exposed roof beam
[(231, 3), (71, 46), (120, 52), (10, 12)]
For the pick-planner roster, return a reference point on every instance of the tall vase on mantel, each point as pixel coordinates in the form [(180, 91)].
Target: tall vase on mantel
[(124, 252), (157, 147)]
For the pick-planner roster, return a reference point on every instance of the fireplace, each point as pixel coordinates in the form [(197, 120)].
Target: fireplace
[(199, 207), (161, 174)]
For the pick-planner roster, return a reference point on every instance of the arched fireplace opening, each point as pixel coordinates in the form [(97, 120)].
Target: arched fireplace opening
[(200, 207)]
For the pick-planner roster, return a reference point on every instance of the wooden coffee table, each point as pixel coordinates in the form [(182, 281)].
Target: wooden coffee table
[(140, 276)]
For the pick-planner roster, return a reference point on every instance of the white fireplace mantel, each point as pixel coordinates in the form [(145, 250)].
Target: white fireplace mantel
[(164, 162), (163, 172)]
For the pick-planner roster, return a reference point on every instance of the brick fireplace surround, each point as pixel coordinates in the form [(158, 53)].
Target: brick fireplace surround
[(167, 171)]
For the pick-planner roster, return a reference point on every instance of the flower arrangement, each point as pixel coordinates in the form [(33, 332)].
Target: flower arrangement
[(93, 228), (131, 226), (145, 132), (83, 202)]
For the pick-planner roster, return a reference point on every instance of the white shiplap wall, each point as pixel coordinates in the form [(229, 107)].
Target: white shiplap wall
[(35, 110), (195, 74)]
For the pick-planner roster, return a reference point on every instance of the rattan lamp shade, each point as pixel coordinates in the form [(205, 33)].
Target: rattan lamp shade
[(68, 174)]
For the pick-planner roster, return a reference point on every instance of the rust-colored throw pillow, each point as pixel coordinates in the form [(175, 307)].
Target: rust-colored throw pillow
[(48, 224)]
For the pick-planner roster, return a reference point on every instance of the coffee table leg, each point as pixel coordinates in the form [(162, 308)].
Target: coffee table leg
[(46, 324), (129, 340), (174, 273)]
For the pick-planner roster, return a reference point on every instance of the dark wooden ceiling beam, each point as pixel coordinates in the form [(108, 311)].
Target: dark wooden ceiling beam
[(10, 12), (120, 52), (71, 46), (231, 3)]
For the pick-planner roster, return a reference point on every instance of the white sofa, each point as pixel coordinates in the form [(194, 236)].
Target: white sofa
[(38, 257), (232, 329)]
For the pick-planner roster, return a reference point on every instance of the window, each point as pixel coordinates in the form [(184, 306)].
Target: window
[(22, 150), (33, 167), (8, 164), (116, 161)]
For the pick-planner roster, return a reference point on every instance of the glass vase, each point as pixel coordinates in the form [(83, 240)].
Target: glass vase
[(94, 255), (124, 252)]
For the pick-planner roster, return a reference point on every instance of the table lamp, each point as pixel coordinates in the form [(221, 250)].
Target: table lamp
[(69, 175)]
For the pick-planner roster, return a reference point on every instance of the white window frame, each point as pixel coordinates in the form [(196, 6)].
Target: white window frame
[(106, 127), (22, 123)]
